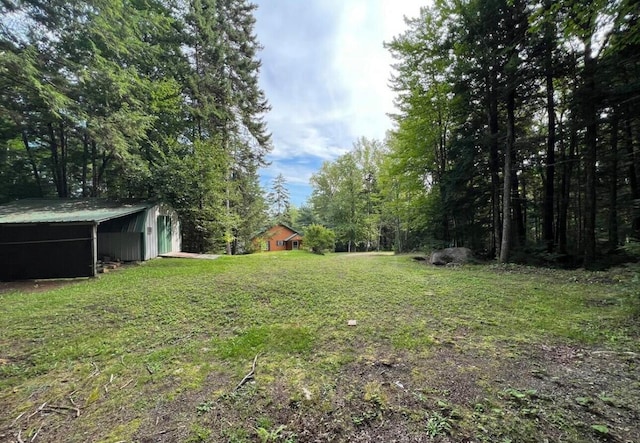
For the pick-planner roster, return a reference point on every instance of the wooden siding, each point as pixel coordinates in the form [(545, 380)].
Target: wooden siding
[(278, 238)]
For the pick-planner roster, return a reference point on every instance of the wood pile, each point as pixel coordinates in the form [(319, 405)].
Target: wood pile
[(104, 266)]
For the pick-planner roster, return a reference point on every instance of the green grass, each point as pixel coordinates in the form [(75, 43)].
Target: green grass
[(139, 351)]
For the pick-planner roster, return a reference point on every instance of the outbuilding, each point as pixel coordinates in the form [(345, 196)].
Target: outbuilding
[(61, 238), (278, 238)]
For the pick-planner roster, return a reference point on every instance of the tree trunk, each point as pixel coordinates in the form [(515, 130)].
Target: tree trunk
[(549, 191), (32, 162), (228, 204), (590, 157), (519, 239), (494, 163), (505, 246), (518, 204), (613, 188), (55, 161), (94, 169), (567, 167), (85, 164), (633, 179), (63, 163)]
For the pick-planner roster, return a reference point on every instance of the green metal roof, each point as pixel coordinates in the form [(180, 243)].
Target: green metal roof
[(67, 210)]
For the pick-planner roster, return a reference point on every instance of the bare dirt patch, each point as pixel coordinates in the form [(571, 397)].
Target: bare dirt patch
[(558, 393), (28, 286)]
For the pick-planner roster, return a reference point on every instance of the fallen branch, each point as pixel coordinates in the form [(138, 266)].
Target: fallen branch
[(36, 434), (13, 423), (20, 440), (149, 370), (96, 370), (249, 376), (126, 384), (110, 382), (56, 408), (38, 410)]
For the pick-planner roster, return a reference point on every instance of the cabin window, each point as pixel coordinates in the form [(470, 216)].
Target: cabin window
[(280, 243)]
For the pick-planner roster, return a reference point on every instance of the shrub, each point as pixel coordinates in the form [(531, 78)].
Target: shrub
[(319, 239)]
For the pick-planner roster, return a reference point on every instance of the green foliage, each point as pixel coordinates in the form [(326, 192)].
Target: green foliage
[(205, 407), (346, 196), (633, 248), (305, 216), (279, 197), (198, 434), (319, 239), (137, 100), (270, 435), (473, 131), (602, 430), (437, 425)]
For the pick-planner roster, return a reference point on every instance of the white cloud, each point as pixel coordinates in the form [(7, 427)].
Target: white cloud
[(305, 140), (301, 177), (363, 65), (326, 74)]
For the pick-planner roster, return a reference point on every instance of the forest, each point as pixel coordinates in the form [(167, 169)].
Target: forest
[(517, 131), (517, 135), (153, 99)]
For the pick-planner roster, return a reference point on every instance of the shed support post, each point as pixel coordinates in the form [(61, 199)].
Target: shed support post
[(94, 249)]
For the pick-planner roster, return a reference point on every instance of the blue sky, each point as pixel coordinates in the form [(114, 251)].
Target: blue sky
[(326, 74)]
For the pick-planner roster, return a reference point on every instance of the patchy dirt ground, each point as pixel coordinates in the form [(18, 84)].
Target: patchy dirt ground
[(28, 286), (129, 363), (543, 393)]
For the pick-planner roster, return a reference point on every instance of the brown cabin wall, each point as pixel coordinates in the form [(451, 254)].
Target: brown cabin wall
[(277, 234)]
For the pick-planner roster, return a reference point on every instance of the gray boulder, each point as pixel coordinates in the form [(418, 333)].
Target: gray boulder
[(448, 256)]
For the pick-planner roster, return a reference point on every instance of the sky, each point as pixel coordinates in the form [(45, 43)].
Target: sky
[(325, 73)]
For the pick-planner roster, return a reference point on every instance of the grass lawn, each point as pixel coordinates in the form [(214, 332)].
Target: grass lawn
[(158, 352)]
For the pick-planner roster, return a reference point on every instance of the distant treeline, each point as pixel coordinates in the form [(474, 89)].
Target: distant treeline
[(518, 135)]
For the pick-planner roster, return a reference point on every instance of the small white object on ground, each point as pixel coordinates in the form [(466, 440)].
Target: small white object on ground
[(352, 323)]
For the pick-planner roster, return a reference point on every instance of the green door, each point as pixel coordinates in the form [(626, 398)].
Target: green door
[(164, 234)]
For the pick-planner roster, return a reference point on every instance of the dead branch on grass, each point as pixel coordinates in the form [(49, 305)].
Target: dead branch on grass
[(126, 384), (71, 399), (40, 408), (36, 434), (249, 376), (96, 370), (13, 423), (110, 381), (57, 408)]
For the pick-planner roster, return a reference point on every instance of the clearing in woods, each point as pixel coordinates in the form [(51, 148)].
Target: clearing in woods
[(165, 352)]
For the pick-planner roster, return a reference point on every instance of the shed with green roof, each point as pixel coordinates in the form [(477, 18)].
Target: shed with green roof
[(61, 238)]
